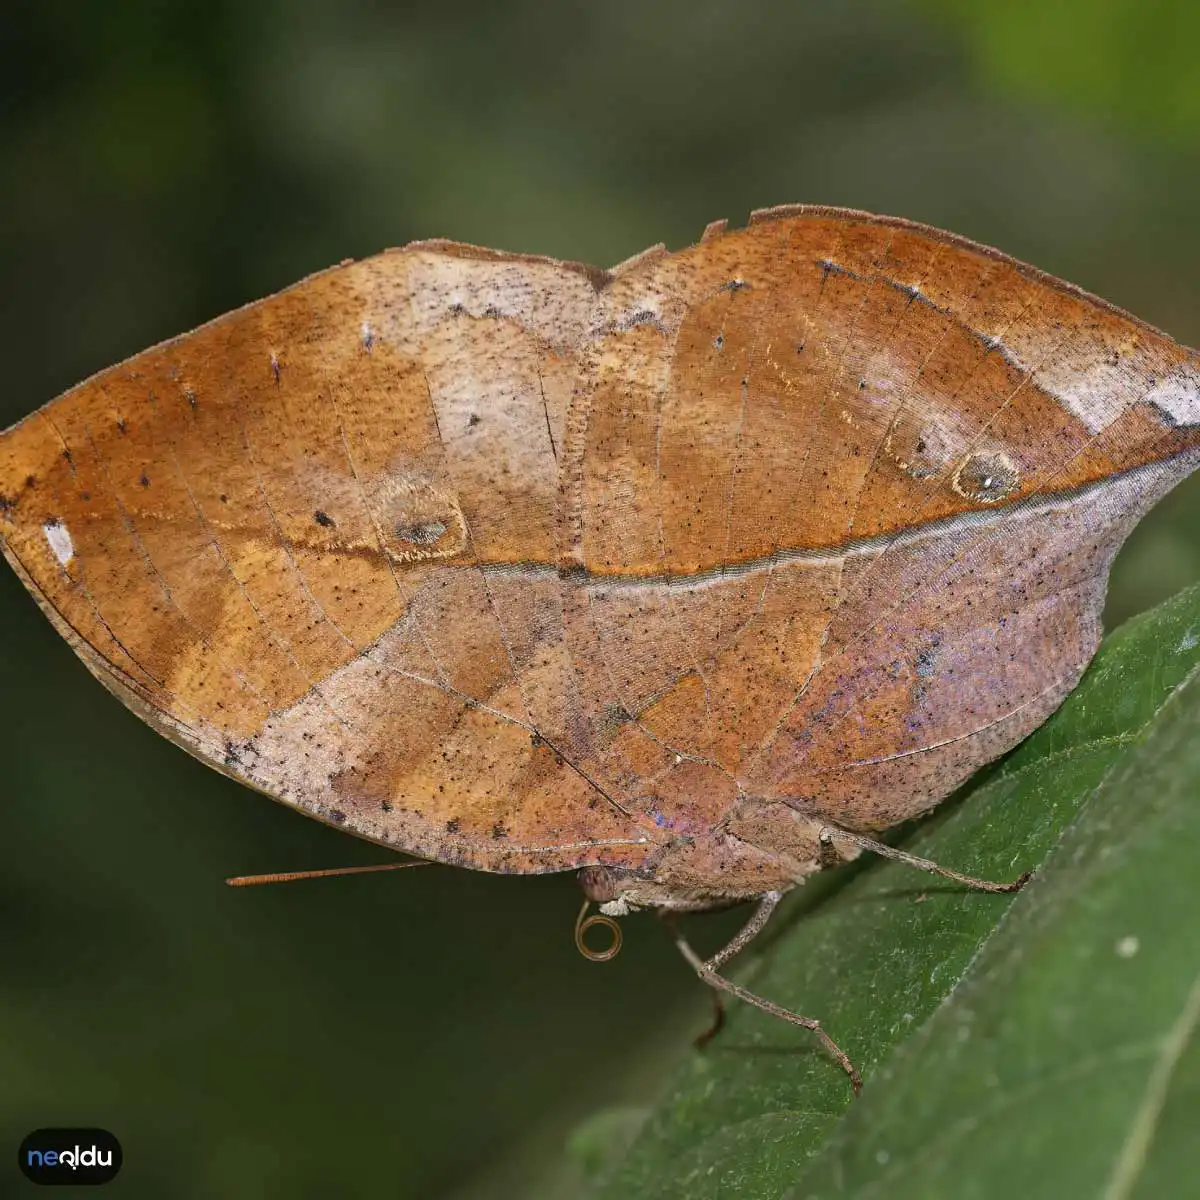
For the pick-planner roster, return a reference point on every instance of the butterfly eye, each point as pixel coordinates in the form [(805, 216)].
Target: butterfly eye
[(599, 884)]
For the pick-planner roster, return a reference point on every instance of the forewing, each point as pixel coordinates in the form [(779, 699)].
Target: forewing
[(313, 542)]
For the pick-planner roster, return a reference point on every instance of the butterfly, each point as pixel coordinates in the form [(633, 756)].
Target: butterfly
[(690, 575)]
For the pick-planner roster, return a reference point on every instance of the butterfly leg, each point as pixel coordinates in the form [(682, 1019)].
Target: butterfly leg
[(708, 969), (830, 835), (718, 1022)]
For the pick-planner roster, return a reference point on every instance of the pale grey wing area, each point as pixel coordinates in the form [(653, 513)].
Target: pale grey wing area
[(954, 643)]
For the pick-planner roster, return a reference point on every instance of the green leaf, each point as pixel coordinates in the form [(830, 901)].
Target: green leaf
[(1036, 1045)]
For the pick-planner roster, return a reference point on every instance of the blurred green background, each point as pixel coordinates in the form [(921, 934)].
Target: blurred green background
[(435, 1033)]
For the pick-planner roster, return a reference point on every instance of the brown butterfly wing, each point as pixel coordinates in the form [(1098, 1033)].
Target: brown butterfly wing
[(515, 564), (852, 489), (313, 542)]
